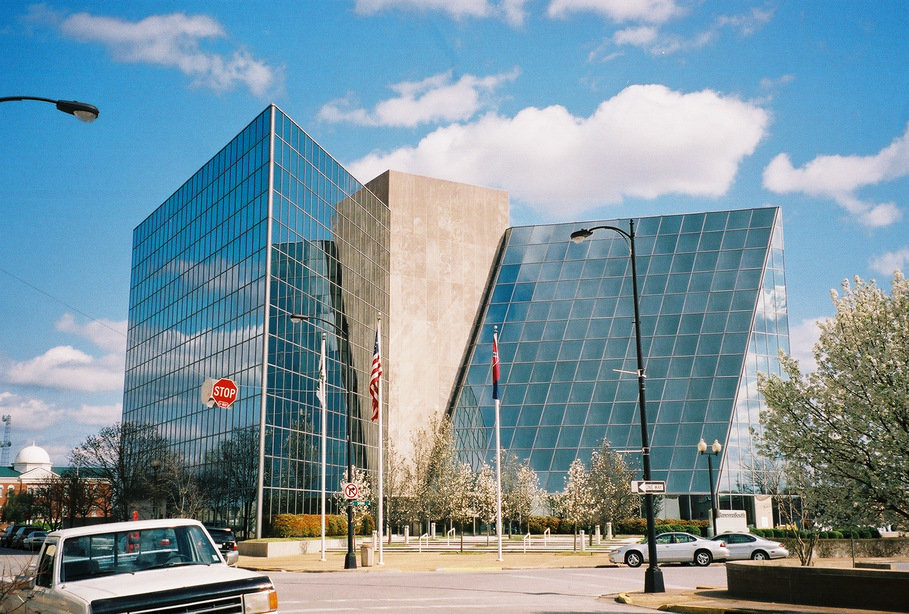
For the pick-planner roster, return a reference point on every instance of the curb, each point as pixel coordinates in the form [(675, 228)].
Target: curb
[(625, 599)]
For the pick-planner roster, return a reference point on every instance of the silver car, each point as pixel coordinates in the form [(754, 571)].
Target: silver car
[(34, 540), (673, 548), (748, 546)]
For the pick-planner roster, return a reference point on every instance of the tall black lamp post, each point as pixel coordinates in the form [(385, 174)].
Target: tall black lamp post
[(81, 110), (350, 559), (714, 451), (653, 576)]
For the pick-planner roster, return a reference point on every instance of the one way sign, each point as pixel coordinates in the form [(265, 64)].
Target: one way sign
[(644, 487)]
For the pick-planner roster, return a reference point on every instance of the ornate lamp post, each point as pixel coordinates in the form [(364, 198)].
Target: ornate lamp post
[(653, 577), (714, 451), (350, 559), (81, 110)]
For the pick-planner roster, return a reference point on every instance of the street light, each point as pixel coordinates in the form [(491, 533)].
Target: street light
[(350, 560), (653, 576), (714, 451), (81, 110)]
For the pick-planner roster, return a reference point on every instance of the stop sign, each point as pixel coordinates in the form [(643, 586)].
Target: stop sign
[(224, 392)]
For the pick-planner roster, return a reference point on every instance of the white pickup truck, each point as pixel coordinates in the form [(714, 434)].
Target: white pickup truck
[(161, 566)]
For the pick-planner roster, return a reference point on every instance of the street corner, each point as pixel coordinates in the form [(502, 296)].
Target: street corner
[(690, 602)]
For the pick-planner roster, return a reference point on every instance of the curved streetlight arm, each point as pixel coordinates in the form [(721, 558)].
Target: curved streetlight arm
[(578, 236), (299, 318), (81, 110)]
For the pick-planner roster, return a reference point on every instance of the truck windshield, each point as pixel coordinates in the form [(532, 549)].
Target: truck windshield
[(104, 554)]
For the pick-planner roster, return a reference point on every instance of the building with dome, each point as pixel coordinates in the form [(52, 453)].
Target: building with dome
[(31, 469)]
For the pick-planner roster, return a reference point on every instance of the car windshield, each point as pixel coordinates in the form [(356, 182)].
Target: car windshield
[(220, 535), (104, 554)]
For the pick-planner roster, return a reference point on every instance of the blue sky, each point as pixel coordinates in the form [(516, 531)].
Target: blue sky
[(580, 109)]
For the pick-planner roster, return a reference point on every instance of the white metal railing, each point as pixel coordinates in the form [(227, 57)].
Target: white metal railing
[(546, 536), (448, 535), (420, 542), (527, 540)]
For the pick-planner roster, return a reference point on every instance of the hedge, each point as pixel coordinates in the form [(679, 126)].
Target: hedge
[(310, 525), (307, 525), (626, 526), (782, 533)]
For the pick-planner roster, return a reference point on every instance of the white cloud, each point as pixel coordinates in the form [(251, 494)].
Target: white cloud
[(650, 11), (840, 177), (640, 36), (747, 23), (802, 339), (99, 415), (645, 142), (514, 11), (106, 334), (456, 8), (170, 40), (25, 411), (655, 42), (67, 368), (434, 99), (886, 264), (32, 419)]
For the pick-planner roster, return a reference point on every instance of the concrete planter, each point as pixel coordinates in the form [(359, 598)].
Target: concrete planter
[(267, 549), (788, 582)]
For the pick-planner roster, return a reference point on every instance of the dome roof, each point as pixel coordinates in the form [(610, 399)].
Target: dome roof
[(32, 455)]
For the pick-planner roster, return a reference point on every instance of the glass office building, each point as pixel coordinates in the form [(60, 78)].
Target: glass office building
[(270, 226), (713, 315)]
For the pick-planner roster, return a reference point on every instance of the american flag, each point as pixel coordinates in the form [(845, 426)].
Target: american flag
[(495, 365), (375, 379)]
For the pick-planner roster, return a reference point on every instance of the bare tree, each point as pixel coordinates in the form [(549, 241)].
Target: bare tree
[(186, 497), (231, 477), (121, 455)]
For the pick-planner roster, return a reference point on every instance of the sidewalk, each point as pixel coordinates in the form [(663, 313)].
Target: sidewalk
[(704, 600)]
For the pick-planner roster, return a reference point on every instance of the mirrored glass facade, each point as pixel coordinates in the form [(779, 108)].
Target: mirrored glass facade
[(270, 226), (713, 314)]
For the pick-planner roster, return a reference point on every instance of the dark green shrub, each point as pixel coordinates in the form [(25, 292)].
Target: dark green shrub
[(335, 524), (631, 526), (367, 525)]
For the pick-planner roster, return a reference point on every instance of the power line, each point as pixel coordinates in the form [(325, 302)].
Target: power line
[(61, 301)]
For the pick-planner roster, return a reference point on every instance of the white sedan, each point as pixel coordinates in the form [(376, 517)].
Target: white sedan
[(748, 546), (673, 548)]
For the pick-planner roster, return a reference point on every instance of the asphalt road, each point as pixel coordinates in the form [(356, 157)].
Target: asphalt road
[(503, 592)]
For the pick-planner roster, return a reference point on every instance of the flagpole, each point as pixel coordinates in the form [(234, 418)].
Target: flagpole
[(381, 447), (495, 395), (323, 438)]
